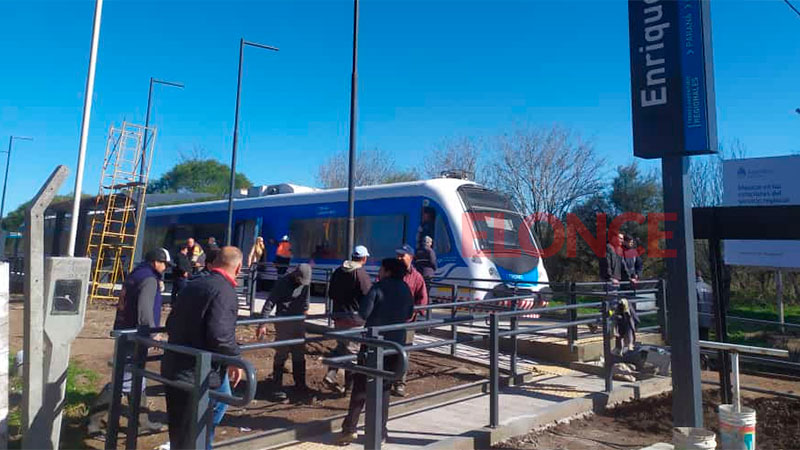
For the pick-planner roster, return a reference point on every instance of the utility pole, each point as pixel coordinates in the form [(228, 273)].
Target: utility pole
[(5, 179), (242, 44), (351, 167), (87, 113)]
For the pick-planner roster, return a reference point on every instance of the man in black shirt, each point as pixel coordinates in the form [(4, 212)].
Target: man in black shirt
[(611, 266), (181, 272), (203, 318), (425, 260), (289, 297), (388, 302)]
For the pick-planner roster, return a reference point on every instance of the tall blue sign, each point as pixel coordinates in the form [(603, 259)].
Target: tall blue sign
[(672, 81)]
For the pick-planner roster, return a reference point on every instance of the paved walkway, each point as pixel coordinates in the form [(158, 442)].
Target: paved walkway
[(437, 423)]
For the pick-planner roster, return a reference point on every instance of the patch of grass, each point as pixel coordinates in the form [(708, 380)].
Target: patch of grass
[(81, 389), (757, 309)]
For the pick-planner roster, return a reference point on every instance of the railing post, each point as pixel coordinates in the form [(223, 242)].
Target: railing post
[(135, 397), (737, 397), (607, 355), (328, 302), (122, 351), (201, 413), (494, 372), (453, 327), (251, 290), (514, 344), (661, 305), (374, 419), (572, 330)]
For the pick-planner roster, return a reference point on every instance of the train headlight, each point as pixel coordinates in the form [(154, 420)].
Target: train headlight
[(492, 272)]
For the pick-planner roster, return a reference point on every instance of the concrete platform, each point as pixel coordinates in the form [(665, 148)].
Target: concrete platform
[(463, 424)]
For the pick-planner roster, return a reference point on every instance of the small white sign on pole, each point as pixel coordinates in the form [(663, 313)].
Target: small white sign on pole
[(762, 182)]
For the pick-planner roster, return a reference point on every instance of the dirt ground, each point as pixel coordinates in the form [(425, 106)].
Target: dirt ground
[(94, 349), (645, 422)]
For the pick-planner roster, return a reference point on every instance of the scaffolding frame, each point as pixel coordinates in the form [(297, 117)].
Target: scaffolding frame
[(118, 215)]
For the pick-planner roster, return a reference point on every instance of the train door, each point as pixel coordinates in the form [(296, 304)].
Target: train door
[(245, 235), (432, 224)]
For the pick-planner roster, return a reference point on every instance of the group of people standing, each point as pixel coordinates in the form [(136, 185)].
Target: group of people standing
[(622, 263), (357, 301), (205, 310)]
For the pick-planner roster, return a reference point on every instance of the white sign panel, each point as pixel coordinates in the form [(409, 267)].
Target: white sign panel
[(762, 182)]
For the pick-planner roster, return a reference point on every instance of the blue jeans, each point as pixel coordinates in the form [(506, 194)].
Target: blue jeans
[(219, 407)]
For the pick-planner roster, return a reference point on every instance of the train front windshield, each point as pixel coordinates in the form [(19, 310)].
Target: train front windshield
[(503, 235)]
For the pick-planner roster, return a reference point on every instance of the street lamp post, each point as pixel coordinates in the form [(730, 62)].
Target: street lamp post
[(147, 117), (143, 159), (5, 179), (351, 167), (242, 44)]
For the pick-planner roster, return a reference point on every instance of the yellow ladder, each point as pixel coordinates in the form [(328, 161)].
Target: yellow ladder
[(116, 217)]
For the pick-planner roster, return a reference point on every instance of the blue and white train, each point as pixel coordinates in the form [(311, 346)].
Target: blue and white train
[(477, 233)]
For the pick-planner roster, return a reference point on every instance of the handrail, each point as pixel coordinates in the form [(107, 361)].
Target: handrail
[(738, 348), (250, 371), (393, 348), (735, 349)]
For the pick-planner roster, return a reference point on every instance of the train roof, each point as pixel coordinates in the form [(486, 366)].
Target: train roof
[(411, 188)]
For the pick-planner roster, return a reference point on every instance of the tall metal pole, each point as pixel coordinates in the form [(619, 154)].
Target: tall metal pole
[(87, 112), (242, 43), (351, 167), (147, 117), (5, 179), (146, 127), (143, 158), (687, 405), (229, 230)]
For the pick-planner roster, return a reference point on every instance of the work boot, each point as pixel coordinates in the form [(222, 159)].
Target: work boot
[(329, 381), (278, 394), (399, 389), (346, 438), (145, 425)]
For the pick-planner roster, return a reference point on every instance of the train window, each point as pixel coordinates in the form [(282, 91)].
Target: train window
[(204, 231), (178, 236), (325, 238), (441, 241), (427, 224), (381, 234), (319, 238), (155, 237)]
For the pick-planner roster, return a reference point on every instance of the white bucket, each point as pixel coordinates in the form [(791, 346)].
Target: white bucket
[(687, 438), (737, 431)]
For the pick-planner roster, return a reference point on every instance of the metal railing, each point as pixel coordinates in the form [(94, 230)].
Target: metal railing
[(131, 355), (735, 350), (503, 324)]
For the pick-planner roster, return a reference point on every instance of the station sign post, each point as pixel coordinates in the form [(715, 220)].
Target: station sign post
[(673, 112)]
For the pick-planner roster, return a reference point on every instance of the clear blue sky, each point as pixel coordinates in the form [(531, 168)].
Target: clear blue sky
[(428, 70)]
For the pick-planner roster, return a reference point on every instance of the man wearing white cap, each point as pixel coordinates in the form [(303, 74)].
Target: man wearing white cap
[(348, 285)]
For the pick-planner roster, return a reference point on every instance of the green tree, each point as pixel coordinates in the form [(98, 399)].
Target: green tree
[(198, 175), (13, 220), (630, 191)]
